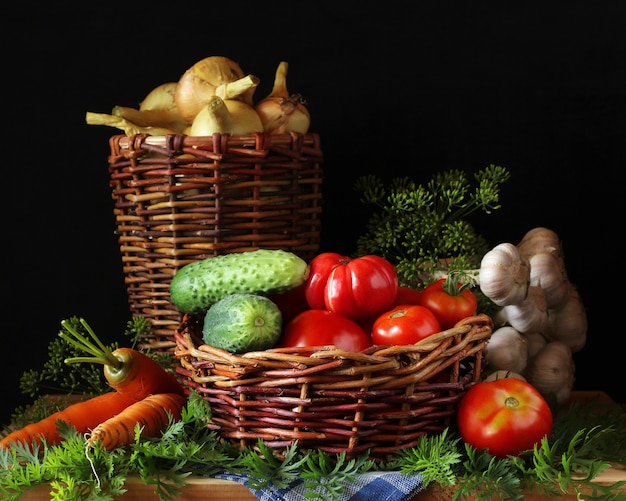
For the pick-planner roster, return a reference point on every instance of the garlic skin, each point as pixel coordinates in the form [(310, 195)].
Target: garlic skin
[(504, 275), (507, 350), (547, 271), (568, 323), (551, 371), (531, 315)]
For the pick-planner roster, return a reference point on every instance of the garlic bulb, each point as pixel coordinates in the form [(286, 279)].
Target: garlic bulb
[(551, 371), (225, 116), (500, 374), (199, 83), (531, 314), (547, 270), (540, 239), (504, 275), (536, 341), (569, 322), (506, 350), (281, 112)]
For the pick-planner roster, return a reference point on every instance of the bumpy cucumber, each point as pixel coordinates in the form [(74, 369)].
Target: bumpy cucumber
[(242, 322), (197, 286)]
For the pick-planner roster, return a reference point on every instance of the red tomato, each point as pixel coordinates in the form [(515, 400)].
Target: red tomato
[(290, 303), (407, 295), (355, 288), (322, 328), (404, 324), (505, 416), (449, 302)]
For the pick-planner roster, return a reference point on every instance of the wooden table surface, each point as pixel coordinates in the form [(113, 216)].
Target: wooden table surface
[(203, 489)]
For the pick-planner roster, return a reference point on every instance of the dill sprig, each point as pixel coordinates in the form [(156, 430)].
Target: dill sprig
[(424, 228)]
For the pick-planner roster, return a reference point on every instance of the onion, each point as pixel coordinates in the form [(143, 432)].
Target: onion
[(160, 98), (225, 116), (281, 112), (200, 82)]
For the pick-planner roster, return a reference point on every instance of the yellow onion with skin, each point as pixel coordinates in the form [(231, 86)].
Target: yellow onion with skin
[(281, 112), (200, 82), (225, 116)]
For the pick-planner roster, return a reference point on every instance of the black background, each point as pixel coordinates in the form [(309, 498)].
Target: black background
[(394, 88)]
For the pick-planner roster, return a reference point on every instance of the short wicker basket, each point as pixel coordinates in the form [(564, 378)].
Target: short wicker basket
[(179, 199), (380, 400)]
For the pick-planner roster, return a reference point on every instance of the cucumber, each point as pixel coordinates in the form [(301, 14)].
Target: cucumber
[(240, 323), (197, 286)]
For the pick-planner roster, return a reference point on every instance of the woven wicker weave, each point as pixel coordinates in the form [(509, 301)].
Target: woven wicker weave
[(380, 400), (180, 199)]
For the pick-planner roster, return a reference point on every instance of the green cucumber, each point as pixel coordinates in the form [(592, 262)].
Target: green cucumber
[(240, 323), (197, 286)]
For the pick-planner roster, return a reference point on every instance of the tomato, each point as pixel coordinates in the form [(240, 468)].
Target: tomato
[(449, 301), (404, 324), (290, 302), (322, 328), (505, 416), (355, 288), (408, 295)]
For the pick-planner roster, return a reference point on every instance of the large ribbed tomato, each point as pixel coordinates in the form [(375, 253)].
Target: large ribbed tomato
[(506, 416), (356, 288)]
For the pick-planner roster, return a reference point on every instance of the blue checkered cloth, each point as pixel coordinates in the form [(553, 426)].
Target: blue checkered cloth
[(380, 485)]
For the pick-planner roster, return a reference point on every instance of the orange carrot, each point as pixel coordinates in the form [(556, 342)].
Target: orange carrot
[(151, 414), (84, 416), (128, 371)]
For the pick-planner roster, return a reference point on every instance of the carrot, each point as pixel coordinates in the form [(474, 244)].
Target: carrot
[(84, 416), (128, 371), (151, 414)]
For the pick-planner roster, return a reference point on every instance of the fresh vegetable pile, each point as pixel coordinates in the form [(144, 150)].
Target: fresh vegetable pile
[(212, 96), (351, 303)]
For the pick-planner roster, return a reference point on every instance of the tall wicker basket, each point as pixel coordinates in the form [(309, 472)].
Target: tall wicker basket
[(179, 199)]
